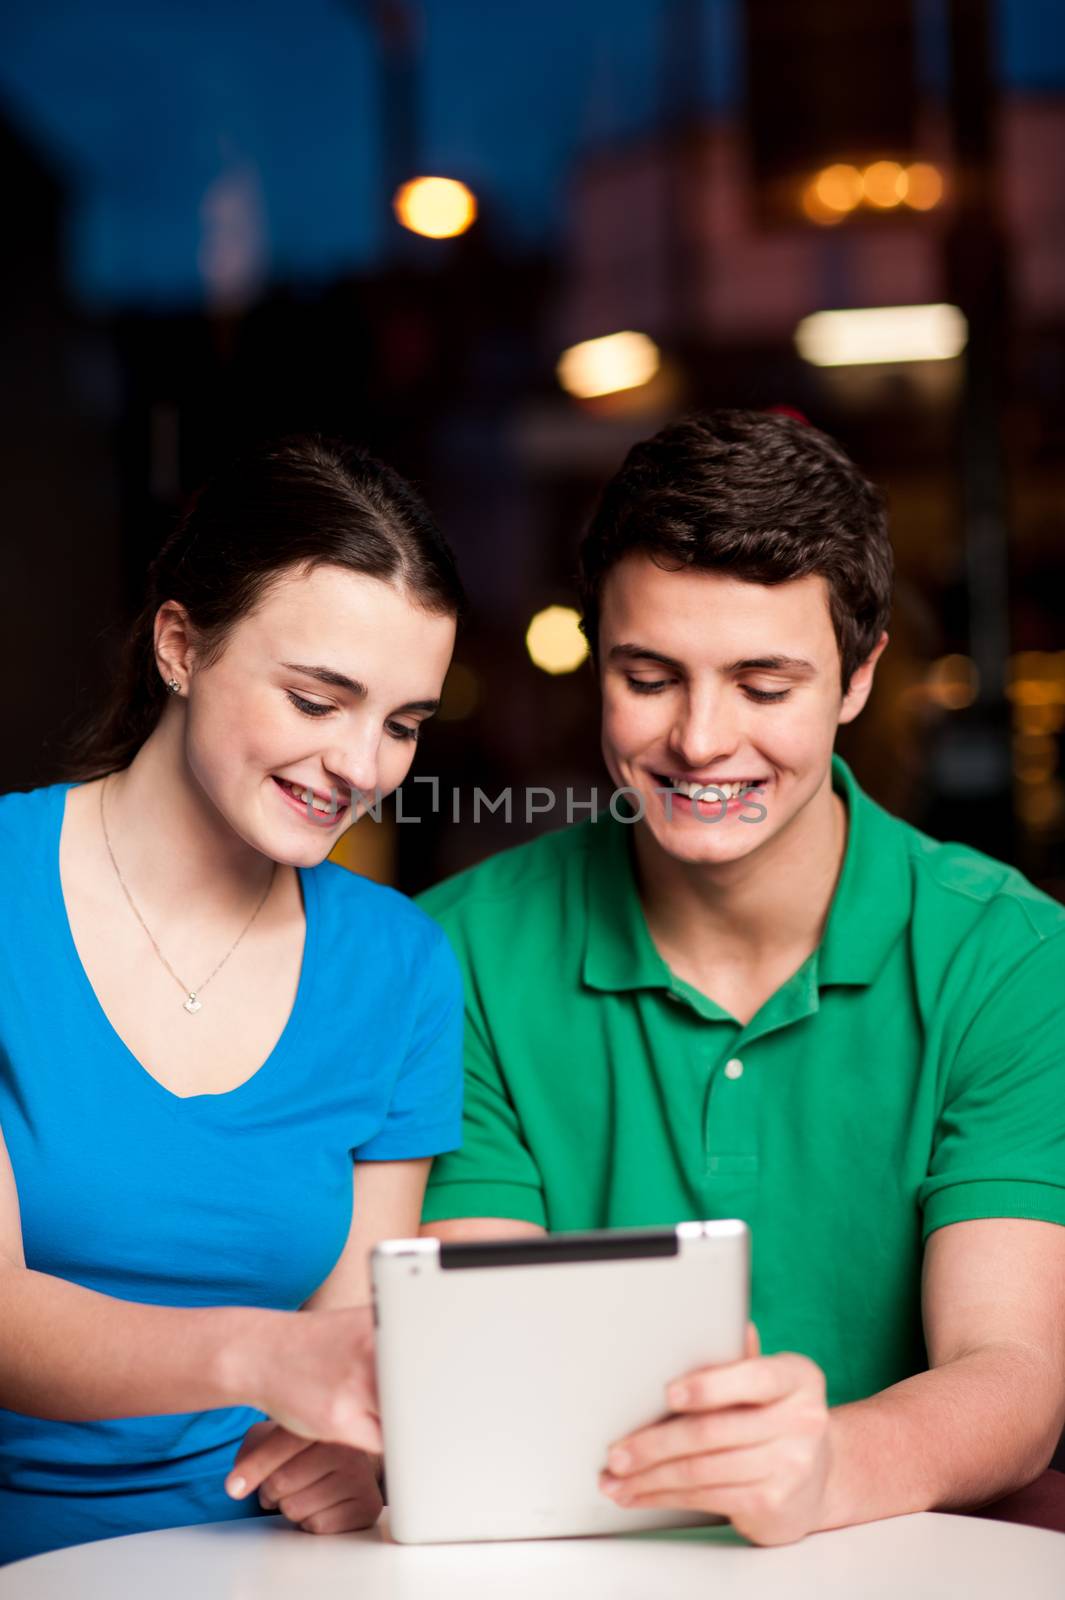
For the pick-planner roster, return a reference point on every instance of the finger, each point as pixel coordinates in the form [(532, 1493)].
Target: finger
[(757, 1381), (731, 1502), (250, 1470), (312, 1463), (316, 1463), (726, 1469), (328, 1490), (753, 1345), (342, 1518), (699, 1434), (256, 1435), (336, 1488)]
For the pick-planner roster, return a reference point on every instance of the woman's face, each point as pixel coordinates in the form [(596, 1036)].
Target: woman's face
[(323, 687)]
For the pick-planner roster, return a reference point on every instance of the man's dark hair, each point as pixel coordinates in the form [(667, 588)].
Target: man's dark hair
[(755, 495)]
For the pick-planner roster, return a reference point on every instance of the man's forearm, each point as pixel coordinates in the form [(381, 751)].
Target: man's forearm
[(951, 1438)]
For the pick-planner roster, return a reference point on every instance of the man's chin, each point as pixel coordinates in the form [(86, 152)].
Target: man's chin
[(701, 843)]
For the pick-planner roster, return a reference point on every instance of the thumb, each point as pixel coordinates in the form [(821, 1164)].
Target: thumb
[(753, 1343)]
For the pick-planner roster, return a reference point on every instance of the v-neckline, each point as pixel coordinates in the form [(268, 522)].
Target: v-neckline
[(285, 1043)]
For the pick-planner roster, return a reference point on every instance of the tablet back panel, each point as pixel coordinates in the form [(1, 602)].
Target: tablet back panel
[(507, 1369)]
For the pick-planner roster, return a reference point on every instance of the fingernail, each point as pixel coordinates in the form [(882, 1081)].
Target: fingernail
[(618, 1460), (235, 1487), (678, 1395)]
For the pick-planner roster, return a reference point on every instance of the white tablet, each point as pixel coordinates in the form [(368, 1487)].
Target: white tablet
[(507, 1369)]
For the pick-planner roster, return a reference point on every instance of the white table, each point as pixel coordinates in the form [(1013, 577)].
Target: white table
[(926, 1557)]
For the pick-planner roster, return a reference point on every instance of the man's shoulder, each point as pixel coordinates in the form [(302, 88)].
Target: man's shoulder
[(530, 875), (950, 875)]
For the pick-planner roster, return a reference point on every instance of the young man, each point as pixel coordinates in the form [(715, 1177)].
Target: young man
[(777, 1003)]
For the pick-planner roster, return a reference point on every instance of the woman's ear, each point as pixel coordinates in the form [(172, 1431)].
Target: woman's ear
[(861, 682)]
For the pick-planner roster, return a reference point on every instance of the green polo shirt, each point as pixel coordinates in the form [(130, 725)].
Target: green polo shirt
[(909, 1075)]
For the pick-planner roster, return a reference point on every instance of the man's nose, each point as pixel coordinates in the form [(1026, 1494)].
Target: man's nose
[(706, 730)]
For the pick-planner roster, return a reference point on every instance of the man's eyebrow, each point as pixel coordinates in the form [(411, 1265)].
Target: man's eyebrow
[(796, 664), (640, 652), (337, 680)]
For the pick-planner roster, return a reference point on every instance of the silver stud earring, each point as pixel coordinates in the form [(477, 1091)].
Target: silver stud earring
[(173, 685)]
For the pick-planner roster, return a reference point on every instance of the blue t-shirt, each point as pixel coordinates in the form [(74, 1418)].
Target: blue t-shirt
[(241, 1198)]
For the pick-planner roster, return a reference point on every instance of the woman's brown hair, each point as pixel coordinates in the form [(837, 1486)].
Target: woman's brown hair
[(294, 504)]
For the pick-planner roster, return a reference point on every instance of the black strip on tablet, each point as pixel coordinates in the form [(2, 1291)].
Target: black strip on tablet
[(624, 1245)]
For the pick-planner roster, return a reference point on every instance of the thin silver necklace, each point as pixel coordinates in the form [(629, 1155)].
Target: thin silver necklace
[(192, 1004)]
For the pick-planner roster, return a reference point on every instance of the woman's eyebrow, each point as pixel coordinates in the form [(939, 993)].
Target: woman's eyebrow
[(337, 680)]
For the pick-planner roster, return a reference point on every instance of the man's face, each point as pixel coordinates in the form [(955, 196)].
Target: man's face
[(711, 680)]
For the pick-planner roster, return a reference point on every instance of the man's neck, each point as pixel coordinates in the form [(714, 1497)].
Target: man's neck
[(765, 908)]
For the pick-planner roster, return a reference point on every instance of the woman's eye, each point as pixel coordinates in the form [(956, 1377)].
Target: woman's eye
[(310, 708), (399, 730), (765, 694), (647, 685)]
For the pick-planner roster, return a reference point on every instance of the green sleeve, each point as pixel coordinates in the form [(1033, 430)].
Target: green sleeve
[(999, 1148), (494, 1173)]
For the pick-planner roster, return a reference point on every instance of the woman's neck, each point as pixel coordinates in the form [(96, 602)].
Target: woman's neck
[(167, 837)]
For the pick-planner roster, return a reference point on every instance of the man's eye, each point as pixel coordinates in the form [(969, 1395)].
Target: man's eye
[(399, 730), (646, 685), (765, 694), (310, 708)]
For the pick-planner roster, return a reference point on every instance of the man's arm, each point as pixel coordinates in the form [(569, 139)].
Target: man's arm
[(986, 1417), (472, 1229), (753, 1439)]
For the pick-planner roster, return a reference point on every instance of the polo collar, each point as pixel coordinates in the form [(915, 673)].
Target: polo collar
[(873, 901), (870, 907)]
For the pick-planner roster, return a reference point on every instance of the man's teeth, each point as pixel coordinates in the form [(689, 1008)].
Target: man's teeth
[(309, 794), (730, 790)]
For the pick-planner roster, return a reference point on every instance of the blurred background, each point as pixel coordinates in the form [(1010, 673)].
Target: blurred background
[(497, 243)]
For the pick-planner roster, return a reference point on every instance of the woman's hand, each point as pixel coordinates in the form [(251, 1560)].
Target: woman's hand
[(323, 1488), (310, 1371), (748, 1440)]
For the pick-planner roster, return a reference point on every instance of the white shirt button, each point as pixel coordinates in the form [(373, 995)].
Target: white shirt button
[(734, 1068)]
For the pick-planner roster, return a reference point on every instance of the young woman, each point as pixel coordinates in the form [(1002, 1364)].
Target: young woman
[(225, 1061)]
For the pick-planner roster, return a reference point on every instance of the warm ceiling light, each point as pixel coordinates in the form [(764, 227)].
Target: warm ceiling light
[(952, 682), (437, 208), (603, 366), (884, 184), (838, 188), (816, 209), (882, 333), (554, 640), (924, 186)]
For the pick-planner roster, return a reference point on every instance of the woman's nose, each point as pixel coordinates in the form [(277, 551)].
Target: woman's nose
[(354, 768)]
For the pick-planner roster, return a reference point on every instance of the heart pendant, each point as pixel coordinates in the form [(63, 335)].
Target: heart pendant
[(192, 1004)]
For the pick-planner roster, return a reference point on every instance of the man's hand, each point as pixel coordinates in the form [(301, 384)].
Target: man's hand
[(748, 1440), (323, 1488)]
